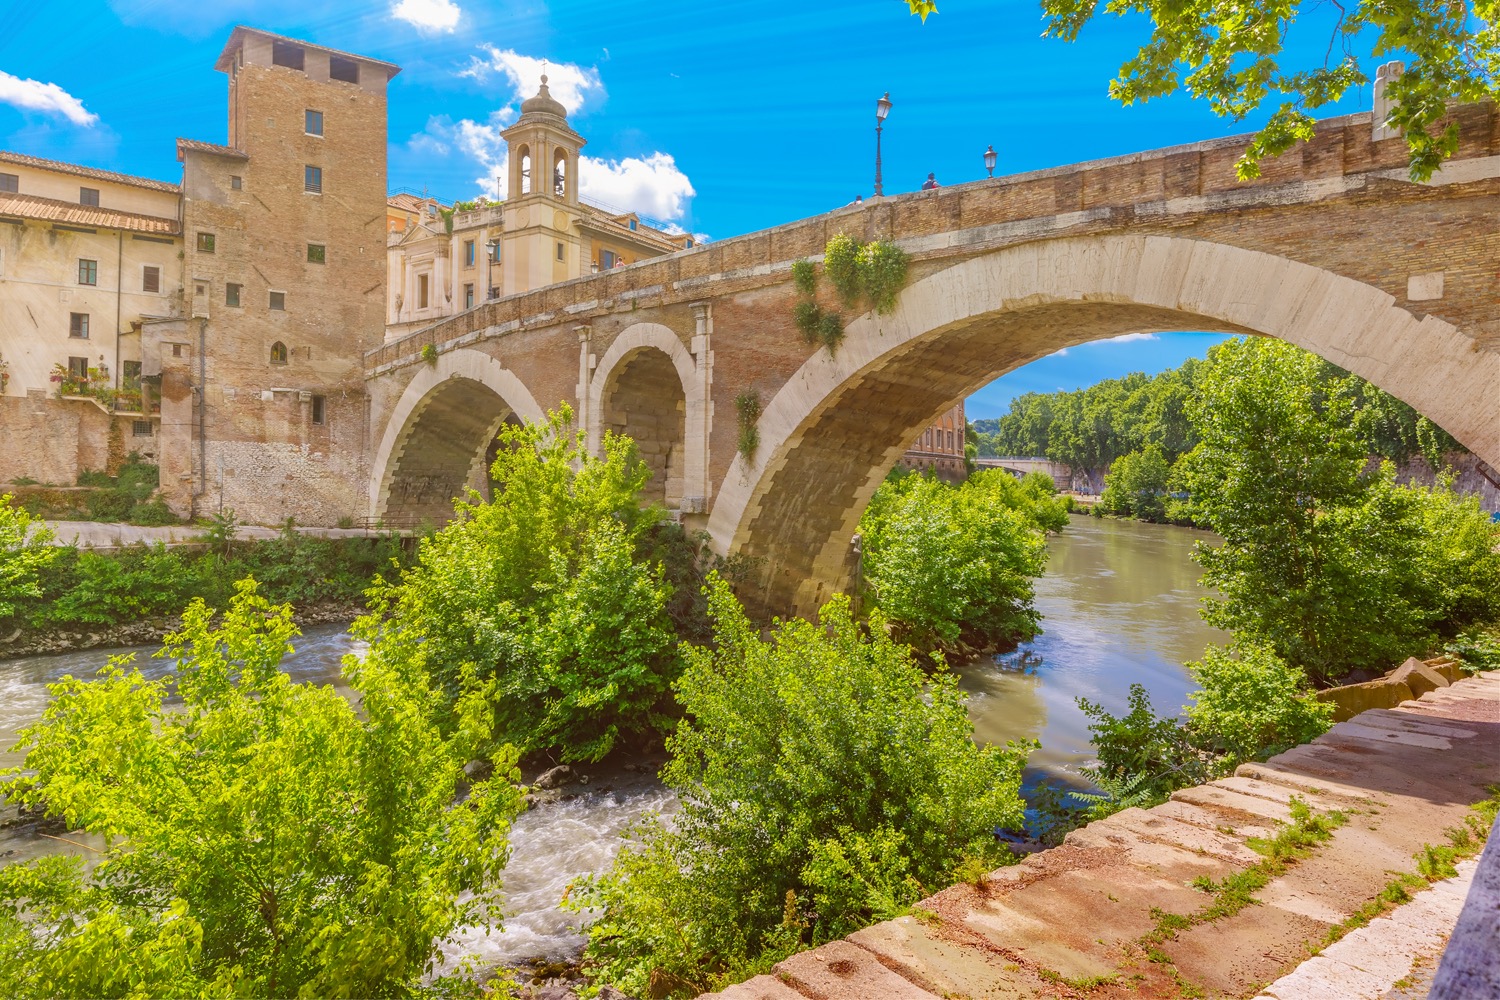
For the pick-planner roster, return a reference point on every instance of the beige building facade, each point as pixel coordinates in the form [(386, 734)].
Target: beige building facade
[(445, 260)]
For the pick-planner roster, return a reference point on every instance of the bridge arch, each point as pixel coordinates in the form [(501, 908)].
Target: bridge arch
[(645, 386), (437, 440), (835, 428)]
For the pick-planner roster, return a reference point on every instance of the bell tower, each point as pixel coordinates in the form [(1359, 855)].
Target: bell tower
[(542, 243)]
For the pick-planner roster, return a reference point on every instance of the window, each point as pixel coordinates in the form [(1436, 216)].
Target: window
[(130, 373), (494, 252), (88, 196), (10, 182), (88, 272), (317, 253), (468, 296), (312, 179), (468, 253), (560, 252), (278, 351), (278, 303), (607, 258), (205, 242), (421, 291), (78, 368), (286, 54), (314, 122), (950, 440), (689, 243), (319, 409), (632, 225), (232, 295), (140, 428), (78, 325), (150, 278), (236, 183), (343, 69)]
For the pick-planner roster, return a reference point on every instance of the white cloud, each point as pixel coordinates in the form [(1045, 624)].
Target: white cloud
[(33, 95), (435, 16), (1061, 352), (1126, 338), (569, 84), (651, 185)]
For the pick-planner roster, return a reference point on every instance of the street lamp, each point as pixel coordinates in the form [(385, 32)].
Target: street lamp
[(989, 160), (493, 246), (882, 108)]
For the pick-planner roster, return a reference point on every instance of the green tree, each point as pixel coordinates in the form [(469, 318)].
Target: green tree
[(540, 590), (1325, 560), (25, 551), (826, 781), (1136, 485), (956, 563), (1253, 704), (263, 838), (1233, 56)]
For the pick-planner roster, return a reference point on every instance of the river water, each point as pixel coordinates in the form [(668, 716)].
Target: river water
[(1119, 603)]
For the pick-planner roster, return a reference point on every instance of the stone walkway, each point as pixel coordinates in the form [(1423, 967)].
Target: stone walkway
[(1074, 921), (1393, 958)]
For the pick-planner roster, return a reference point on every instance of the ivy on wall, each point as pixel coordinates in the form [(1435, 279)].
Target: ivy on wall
[(873, 273)]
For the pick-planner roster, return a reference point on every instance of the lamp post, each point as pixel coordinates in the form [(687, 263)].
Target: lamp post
[(493, 246), (989, 160), (882, 108)]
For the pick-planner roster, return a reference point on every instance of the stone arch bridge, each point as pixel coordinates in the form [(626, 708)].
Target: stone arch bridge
[(1333, 249)]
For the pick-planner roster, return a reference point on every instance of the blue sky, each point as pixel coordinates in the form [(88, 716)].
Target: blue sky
[(723, 117)]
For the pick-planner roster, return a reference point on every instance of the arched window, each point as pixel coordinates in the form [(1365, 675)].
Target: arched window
[(278, 353), (560, 174), (523, 156)]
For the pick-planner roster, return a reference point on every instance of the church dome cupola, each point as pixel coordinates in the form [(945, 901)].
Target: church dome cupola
[(543, 104)]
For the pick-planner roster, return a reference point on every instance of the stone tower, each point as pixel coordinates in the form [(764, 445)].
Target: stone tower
[(542, 242), (284, 287)]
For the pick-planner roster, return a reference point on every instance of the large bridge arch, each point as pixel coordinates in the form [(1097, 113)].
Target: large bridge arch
[(438, 436), (646, 385), (834, 429)]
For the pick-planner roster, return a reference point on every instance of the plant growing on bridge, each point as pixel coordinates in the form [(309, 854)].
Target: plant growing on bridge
[(430, 353), (770, 851), (263, 837), (546, 591), (874, 271), (747, 408)]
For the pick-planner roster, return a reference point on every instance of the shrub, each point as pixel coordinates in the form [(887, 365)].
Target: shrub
[(25, 552), (949, 564), (1253, 705), (770, 851), (804, 277), (841, 265), (264, 837), (542, 589)]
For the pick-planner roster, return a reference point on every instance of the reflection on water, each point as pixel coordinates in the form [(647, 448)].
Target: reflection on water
[(1119, 606)]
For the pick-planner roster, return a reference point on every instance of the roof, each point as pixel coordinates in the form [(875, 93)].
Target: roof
[(47, 209), (410, 202), (193, 145), (73, 168), (236, 39)]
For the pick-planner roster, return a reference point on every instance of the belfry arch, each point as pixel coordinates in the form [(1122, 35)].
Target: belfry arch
[(830, 434), (645, 387), (439, 440)]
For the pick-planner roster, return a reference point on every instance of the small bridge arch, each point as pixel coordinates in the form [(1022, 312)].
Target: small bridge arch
[(436, 443)]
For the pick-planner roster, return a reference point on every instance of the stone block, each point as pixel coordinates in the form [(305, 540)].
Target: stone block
[(1351, 699), (1418, 676), (759, 988), (840, 969)]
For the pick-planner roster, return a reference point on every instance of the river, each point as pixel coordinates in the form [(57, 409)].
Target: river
[(1119, 603)]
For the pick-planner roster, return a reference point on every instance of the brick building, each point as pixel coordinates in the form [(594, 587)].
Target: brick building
[(239, 303), (940, 448)]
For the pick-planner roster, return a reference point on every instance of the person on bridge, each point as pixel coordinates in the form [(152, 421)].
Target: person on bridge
[(931, 184)]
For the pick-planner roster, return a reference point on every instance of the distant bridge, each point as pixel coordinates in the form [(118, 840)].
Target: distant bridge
[(1332, 249)]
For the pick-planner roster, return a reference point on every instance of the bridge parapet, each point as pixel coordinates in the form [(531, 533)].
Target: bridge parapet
[(1152, 186)]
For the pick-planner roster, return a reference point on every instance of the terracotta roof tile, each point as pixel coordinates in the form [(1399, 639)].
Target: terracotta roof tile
[(46, 209), (82, 171), (184, 145)]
